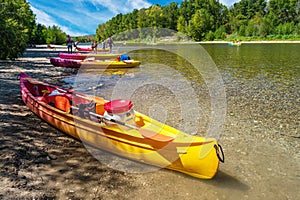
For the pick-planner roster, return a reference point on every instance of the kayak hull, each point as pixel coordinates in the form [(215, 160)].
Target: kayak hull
[(87, 49), (80, 56)]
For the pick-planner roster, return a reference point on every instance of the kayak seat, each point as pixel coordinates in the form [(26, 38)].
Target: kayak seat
[(37, 90), (100, 109), (63, 103), (60, 102)]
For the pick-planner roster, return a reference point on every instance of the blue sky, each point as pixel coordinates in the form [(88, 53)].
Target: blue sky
[(82, 17)]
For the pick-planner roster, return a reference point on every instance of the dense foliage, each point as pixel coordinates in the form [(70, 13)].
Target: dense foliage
[(18, 29), (54, 35), (210, 20), (47, 35), (16, 24)]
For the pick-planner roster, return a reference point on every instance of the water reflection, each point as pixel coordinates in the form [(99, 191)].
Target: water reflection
[(277, 62)]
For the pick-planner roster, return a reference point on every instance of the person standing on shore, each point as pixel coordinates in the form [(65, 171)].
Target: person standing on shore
[(103, 45), (110, 43), (69, 43), (94, 46)]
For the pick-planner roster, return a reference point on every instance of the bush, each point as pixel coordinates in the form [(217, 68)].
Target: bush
[(16, 24), (210, 36)]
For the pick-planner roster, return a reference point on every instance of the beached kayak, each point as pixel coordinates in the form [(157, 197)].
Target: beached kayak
[(62, 62), (126, 132), (88, 49), (80, 56)]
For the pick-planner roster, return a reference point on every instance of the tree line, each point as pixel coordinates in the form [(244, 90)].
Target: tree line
[(198, 19), (54, 35), (211, 20)]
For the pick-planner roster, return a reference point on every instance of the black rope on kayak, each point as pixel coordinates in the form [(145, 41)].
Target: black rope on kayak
[(218, 151), (84, 109)]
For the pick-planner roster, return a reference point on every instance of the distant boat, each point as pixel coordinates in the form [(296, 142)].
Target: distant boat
[(234, 43)]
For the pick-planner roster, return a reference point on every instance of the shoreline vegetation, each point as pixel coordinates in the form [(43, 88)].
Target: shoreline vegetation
[(58, 47), (211, 20)]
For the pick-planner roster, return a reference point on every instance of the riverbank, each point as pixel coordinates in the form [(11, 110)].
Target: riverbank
[(40, 162), (64, 48)]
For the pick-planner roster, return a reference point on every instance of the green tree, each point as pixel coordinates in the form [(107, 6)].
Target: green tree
[(39, 34), (55, 35), (181, 26), (16, 24), (207, 19), (155, 16), (285, 10), (220, 33), (171, 14), (200, 24)]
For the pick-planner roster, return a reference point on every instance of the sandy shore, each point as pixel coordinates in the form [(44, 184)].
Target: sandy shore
[(40, 162)]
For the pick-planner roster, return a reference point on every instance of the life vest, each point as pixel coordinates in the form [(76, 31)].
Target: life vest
[(123, 57)]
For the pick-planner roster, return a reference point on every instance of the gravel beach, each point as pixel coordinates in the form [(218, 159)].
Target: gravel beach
[(39, 162)]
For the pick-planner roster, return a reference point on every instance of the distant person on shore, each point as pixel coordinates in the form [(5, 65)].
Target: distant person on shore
[(75, 45), (51, 47), (110, 43), (94, 46), (103, 45), (69, 43)]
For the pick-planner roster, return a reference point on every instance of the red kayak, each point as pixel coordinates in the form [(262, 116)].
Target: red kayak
[(80, 56), (61, 62), (88, 49)]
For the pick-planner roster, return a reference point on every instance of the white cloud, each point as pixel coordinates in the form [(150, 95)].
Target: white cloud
[(138, 4), (81, 17), (42, 17), (228, 3), (47, 20), (121, 6)]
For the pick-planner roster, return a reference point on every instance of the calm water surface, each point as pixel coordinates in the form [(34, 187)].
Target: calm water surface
[(261, 133)]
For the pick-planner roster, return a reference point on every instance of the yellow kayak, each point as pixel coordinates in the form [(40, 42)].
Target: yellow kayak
[(99, 64), (110, 64), (139, 138), (81, 56)]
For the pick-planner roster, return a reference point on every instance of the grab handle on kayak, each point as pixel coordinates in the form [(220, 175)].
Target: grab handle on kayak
[(218, 151)]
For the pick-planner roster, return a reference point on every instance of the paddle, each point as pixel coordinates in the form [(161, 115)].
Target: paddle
[(145, 133)]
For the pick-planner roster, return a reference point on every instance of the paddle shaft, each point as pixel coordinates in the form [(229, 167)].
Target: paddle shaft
[(105, 118), (145, 133)]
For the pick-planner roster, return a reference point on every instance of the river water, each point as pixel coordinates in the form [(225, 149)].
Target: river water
[(248, 97)]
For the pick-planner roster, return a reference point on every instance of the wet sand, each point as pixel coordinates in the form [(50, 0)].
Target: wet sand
[(39, 162)]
